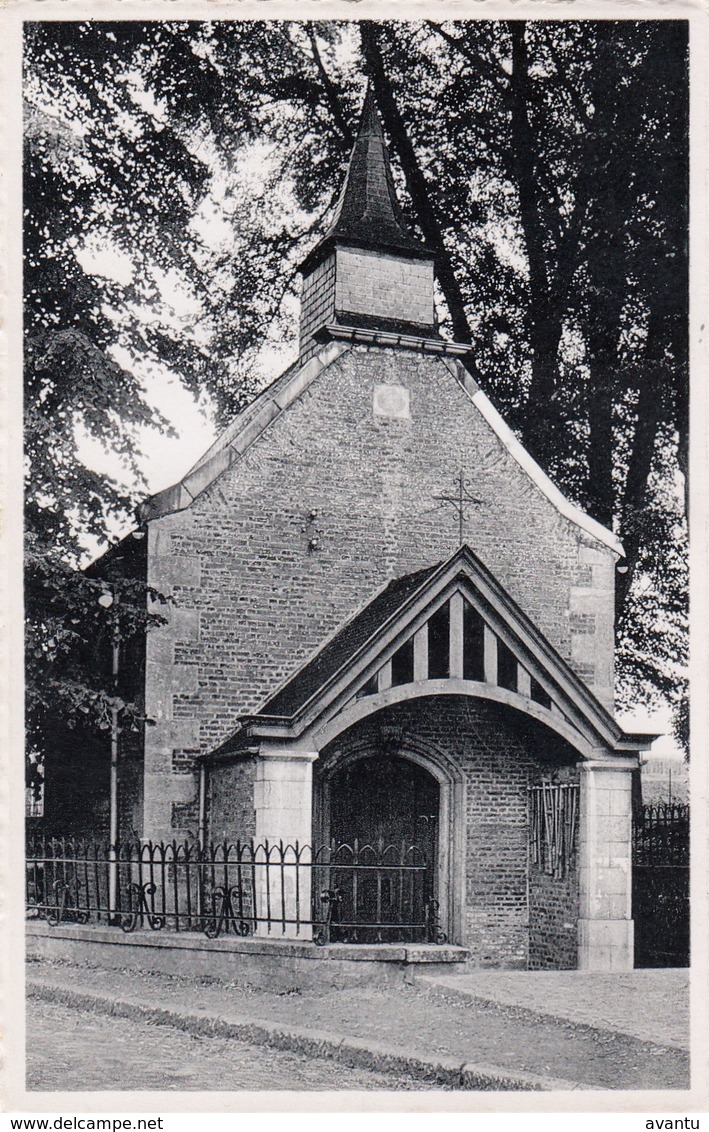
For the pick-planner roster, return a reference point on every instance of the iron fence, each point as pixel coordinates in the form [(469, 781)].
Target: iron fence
[(661, 835), (332, 893), (661, 908)]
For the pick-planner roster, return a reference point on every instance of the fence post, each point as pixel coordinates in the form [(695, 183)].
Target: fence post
[(283, 801)]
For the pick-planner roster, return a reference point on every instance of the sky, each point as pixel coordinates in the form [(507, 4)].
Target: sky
[(163, 459)]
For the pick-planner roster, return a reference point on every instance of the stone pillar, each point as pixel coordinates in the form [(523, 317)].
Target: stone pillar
[(605, 927), (283, 801)]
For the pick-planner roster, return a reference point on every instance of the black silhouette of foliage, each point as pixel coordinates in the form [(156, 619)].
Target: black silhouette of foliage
[(545, 161)]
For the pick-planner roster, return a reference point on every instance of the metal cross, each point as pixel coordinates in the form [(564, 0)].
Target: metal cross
[(459, 501)]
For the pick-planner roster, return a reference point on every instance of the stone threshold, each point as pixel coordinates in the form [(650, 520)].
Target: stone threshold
[(406, 953)]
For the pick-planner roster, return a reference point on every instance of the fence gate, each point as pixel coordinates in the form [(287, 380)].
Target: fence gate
[(661, 886)]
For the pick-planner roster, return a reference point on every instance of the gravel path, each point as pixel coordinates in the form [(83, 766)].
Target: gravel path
[(71, 1050), (411, 1018)]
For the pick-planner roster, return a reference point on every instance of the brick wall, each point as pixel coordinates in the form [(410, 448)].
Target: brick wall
[(254, 598), (230, 800), (499, 757), (554, 908), (553, 916), (385, 286)]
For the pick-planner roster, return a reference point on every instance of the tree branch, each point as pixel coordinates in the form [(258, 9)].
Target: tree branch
[(649, 413), (329, 88), (493, 72), (571, 91)]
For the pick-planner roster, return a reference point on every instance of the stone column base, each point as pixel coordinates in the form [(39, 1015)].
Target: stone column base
[(283, 803), (605, 945)]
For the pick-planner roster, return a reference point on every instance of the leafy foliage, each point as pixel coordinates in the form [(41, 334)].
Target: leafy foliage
[(545, 162)]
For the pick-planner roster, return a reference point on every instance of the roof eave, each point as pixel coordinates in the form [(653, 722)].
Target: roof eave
[(332, 240), (334, 331), (255, 419)]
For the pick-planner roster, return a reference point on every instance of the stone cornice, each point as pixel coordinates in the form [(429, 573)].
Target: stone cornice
[(365, 337)]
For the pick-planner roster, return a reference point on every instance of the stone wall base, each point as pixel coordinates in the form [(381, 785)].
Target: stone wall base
[(605, 945), (268, 964)]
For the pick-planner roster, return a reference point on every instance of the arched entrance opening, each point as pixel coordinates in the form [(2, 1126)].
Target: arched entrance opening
[(381, 800), (383, 818), (399, 795), (471, 763)]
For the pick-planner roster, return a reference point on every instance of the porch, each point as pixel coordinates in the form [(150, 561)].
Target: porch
[(428, 718)]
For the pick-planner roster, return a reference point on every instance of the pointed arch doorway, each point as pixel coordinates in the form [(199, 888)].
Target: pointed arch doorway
[(380, 813)]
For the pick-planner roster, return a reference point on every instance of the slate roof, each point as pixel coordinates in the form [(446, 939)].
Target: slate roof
[(345, 644), (368, 213)]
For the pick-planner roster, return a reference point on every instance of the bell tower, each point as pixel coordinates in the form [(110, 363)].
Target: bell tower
[(368, 271)]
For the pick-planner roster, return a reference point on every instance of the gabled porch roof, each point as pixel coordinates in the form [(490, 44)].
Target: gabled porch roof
[(351, 674)]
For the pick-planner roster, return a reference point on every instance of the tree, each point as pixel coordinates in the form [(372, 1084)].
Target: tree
[(594, 148), (545, 163), (125, 164)]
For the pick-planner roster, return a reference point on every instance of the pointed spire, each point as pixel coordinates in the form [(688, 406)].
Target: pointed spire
[(368, 271), (368, 212)]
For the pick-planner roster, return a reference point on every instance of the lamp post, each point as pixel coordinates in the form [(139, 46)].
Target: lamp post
[(107, 600)]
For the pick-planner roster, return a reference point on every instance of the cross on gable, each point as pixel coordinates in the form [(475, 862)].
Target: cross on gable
[(459, 501)]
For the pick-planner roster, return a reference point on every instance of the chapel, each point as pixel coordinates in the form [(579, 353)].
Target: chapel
[(389, 628)]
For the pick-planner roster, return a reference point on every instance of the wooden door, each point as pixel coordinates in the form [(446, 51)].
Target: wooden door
[(384, 824)]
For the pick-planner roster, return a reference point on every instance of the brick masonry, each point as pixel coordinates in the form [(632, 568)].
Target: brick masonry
[(230, 800), (553, 915), (254, 598), (554, 909), (512, 919), (352, 283), (388, 287)]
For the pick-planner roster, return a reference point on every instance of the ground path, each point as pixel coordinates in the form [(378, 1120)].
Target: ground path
[(430, 1023), (650, 1005), (70, 1050)]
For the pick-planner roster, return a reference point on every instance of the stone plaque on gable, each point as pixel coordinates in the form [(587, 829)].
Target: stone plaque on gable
[(392, 401)]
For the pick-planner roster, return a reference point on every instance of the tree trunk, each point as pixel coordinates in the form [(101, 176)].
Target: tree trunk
[(649, 414), (415, 180), (544, 317), (602, 340)]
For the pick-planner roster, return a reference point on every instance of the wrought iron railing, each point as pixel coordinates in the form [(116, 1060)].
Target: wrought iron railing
[(330, 893), (553, 825), (661, 885), (661, 835)]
